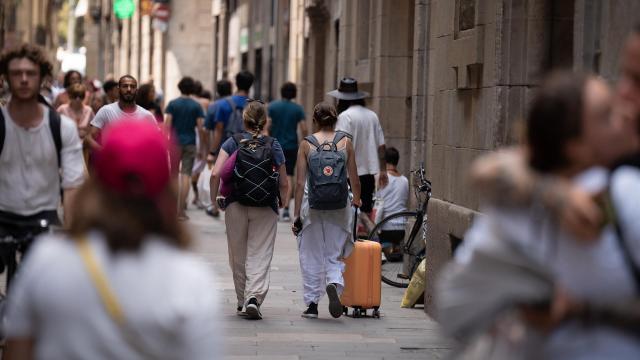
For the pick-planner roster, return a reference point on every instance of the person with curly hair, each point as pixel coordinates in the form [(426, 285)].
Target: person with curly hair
[(30, 162)]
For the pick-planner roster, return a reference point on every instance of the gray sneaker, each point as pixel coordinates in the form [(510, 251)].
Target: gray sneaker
[(240, 312), (335, 306), (253, 310)]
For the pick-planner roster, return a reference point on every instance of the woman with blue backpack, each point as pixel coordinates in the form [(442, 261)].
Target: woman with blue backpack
[(255, 179), (323, 213)]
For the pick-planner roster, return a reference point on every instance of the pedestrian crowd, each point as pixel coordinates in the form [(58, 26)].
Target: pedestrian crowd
[(558, 244), (119, 166)]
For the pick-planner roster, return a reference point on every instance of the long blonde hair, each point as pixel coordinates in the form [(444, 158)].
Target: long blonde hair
[(255, 117)]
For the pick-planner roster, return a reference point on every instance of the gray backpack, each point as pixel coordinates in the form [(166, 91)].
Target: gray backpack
[(328, 189), (235, 123)]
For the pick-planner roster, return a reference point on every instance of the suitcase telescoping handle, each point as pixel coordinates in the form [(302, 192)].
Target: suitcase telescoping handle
[(355, 224)]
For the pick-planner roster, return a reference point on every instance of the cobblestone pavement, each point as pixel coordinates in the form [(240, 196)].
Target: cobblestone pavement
[(284, 334)]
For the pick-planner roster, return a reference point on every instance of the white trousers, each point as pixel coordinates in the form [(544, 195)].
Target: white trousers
[(320, 245)]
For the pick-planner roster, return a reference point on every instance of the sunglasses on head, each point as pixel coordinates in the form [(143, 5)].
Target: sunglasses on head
[(258, 100)]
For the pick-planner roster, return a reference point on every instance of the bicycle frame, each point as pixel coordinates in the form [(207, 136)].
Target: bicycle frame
[(421, 210)]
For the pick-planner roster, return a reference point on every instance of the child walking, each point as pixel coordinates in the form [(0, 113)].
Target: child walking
[(323, 216)]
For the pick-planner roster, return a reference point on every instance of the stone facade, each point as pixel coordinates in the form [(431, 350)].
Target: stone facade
[(449, 79), (29, 21)]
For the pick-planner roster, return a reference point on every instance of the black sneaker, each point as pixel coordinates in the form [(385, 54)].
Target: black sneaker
[(311, 312), (335, 306), (285, 215), (240, 312), (253, 310)]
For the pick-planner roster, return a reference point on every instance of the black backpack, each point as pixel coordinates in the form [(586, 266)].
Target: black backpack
[(328, 188), (54, 125), (255, 177)]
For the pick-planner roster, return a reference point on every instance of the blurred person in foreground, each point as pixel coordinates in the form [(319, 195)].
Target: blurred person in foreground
[(103, 290), (570, 128), (504, 177)]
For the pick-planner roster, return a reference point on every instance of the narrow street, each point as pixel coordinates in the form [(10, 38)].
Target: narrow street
[(284, 334)]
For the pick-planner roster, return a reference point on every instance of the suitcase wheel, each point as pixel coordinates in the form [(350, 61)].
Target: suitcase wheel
[(359, 312), (376, 313)]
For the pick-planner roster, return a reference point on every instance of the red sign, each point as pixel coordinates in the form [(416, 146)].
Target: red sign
[(161, 12)]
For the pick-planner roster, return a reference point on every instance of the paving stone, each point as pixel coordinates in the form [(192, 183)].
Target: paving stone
[(284, 335)]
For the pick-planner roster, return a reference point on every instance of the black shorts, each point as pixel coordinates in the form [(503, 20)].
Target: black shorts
[(367, 189), (290, 157)]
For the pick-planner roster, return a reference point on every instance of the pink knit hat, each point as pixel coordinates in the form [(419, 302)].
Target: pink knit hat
[(134, 159)]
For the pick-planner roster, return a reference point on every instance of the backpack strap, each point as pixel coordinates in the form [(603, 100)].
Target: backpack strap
[(2, 131), (312, 140), (55, 124), (341, 135), (232, 103)]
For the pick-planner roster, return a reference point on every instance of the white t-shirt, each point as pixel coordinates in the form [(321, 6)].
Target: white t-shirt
[(167, 296), (112, 112), (394, 196), (29, 174), (364, 126), (594, 271)]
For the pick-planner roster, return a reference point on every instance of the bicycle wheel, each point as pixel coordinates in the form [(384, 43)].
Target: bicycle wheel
[(394, 233)]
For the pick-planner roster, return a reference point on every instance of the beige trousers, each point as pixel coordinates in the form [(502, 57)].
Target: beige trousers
[(251, 234)]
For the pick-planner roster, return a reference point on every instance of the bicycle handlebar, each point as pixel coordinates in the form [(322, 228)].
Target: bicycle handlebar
[(425, 184)]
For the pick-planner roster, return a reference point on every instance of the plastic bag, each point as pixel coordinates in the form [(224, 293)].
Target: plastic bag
[(416, 286)]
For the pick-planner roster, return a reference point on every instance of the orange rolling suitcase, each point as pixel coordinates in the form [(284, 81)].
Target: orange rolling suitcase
[(362, 279)]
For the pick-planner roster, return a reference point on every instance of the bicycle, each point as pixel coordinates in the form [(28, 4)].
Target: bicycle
[(16, 236), (403, 254)]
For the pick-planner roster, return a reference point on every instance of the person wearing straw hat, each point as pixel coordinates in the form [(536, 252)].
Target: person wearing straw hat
[(368, 139)]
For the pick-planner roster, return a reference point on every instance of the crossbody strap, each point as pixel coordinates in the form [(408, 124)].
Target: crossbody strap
[(109, 299), (99, 279)]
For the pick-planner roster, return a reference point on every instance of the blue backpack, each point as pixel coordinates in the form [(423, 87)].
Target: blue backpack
[(328, 188)]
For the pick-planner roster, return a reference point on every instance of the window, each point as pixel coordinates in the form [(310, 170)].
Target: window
[(363, 16), (465, 15)]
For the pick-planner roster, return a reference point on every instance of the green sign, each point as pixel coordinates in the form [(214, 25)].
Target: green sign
[(124, 9)]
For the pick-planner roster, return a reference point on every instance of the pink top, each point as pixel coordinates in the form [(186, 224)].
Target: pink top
[(82, 120)]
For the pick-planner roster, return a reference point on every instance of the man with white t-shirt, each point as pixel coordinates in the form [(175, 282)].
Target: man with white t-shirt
[(368, 139), (124, 108), (39, 153)]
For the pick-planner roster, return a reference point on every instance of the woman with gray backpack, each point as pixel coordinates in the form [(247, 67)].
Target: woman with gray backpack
[(323, 214), (254, 177)]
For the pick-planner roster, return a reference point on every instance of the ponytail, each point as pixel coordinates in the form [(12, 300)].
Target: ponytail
[(255, 117)]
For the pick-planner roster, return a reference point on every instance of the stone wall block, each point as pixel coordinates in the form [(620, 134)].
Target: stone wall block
[(394, 116), (489, 56), (445, 75), (486, 12), (393, 74), (443, 14), (445, 219)]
